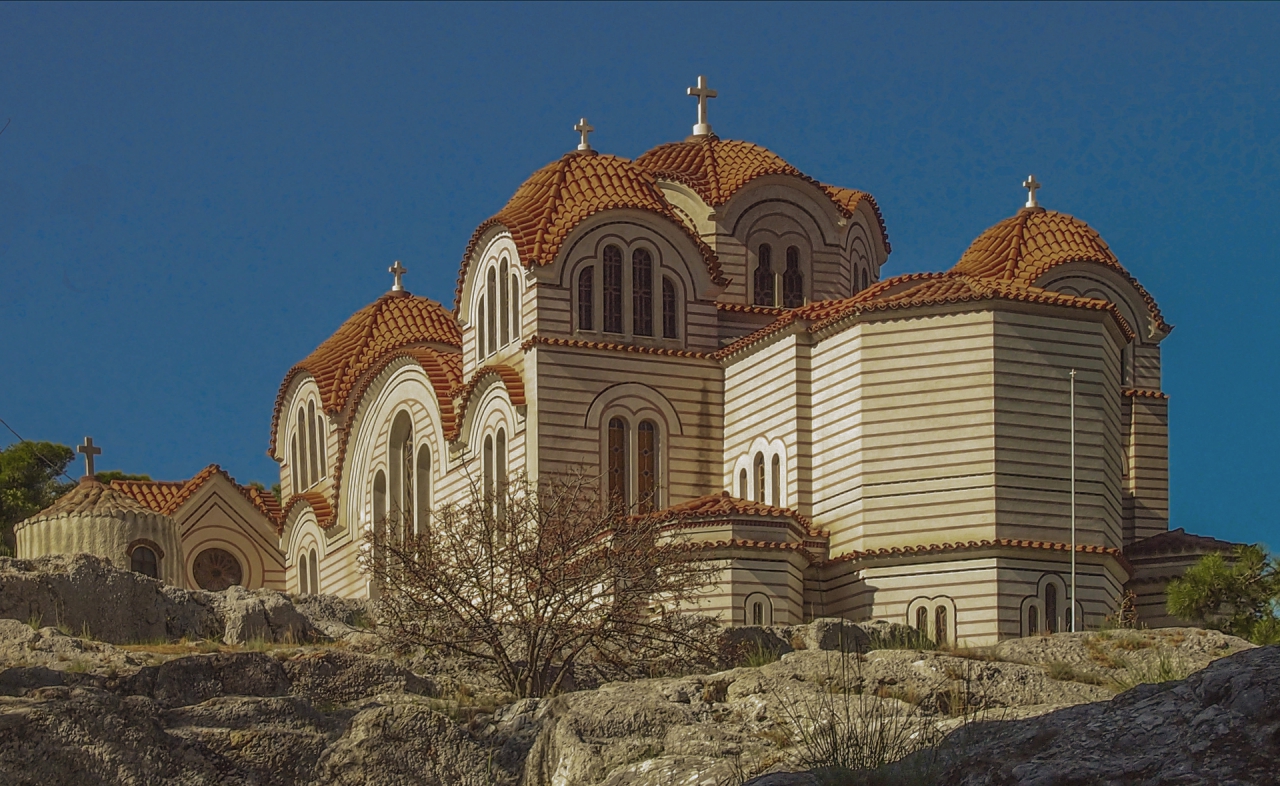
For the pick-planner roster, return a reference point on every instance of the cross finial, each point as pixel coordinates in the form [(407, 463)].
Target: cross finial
[(703, 128), (1031, 185), (89, 450), (584, 129), (397, 270)]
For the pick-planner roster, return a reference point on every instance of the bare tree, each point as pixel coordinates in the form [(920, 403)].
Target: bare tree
[(536, 581)]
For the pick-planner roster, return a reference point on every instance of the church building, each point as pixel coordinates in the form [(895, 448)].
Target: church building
[(709, 330)]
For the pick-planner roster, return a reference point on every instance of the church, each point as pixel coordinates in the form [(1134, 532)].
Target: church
[(709, 330)]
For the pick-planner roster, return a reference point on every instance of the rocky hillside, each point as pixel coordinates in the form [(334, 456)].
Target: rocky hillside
[(317, 701)]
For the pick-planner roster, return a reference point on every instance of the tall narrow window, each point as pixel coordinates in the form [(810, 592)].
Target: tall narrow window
[(506, 304), (294, 469), (487, 472), (1051, 608), (759, 466), (407, 497), (618, 462), (480, 335), (586, 298), (757, 613), (500, 469), (303, 474), (864, 279), (922, 620), (742, 485), (320, 435), (1033, 621), (940, 625), (315, 573), (143, 560), (642, 292), (515, 306), (492, 327), (313, 456), (777, 481), (612, 289), (764, 276), (380, 502), (793, 280), (423, 488), (304, 587), (646, 467), (670, 317)]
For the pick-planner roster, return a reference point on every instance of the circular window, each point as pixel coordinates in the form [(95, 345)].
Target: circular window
[(215, 570)]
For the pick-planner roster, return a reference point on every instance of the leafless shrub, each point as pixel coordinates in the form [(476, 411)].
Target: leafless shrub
[(537, 581)]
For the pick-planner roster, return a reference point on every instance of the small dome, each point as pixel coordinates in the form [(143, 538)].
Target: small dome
[(1024, 247), (96, 519), (714, 168)]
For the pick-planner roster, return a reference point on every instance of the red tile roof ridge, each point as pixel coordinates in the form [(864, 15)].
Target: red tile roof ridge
[(1177, 541), (745, 308), (606, 345), (1144, 393), (556, 199), (724, 504), (318, 502), (176, 493)]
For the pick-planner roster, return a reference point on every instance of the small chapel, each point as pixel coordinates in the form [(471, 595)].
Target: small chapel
[(710, 331)]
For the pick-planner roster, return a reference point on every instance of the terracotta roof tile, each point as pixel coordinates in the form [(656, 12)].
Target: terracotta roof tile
[(1177, 541), (323, 510), (167, 497), (89, 498), (557, 198), (975, 545), (717, 169), (724, 505), (511, 380), (394, 321), (1136, 393), (762, 545), (633, 348), (1025, 246)]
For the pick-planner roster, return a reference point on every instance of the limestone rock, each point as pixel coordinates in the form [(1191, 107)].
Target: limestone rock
[(264, 615)]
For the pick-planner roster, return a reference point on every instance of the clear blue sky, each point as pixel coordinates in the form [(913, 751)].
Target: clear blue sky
[(193, 196)]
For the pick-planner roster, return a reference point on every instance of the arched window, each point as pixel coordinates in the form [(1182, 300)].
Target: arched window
[(618, 462), (612, 289), (865, 283), (742, 485), (293, 465), (757, 613), (380, 502), (922, 620), (760, 479), (506, 304), (670, 315), (793, 280), (1051, 608), (400, 459), (315, 573), (480, 336), (423, 517), (1033, 620), (491, 327), (303, 474), (500, 468), (642, 292), (304, 587), (586, 298), (143, 560), (940, 625), (764, 276), (646, 467), (313, 456), (777, 481), (324, 461), (486, 473), (515, 306)]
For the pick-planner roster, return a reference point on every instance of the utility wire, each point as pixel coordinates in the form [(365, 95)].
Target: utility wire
[(61, 472)]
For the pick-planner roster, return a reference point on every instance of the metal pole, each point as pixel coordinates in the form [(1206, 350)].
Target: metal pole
[(1072, 602)]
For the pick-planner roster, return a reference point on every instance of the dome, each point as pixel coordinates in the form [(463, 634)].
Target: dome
[(396, 320), (714, 168), (96, 519), (1029, 244), (548, 206)]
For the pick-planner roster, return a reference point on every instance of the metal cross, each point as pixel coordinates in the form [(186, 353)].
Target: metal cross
[(397, 270), (1031, 185), (89, 450), (584, 129), (703, 93)]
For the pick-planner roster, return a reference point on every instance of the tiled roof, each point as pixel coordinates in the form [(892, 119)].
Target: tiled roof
[(724, 505), (167, 497), (394, 321), (90, 498), (762, 545), (511, 380), (318, 503), (557, 198), (1177, 541), (976, 545), (551, 341), (716, 169), (1138, 393), (1025, 246)]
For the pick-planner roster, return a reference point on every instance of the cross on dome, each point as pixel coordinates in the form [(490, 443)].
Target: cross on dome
[(89, 450), (397, 270), (584, 129), (1032, 186), (702, 92)]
